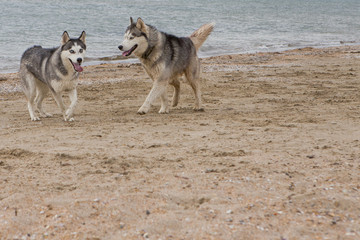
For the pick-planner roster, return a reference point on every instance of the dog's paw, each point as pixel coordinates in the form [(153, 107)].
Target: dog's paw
[(199, 109), (35, 119), (68, 118), (71, 119), (164, 111), (142, 110)]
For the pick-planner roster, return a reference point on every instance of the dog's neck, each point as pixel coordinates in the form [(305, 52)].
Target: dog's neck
[(148, 51)]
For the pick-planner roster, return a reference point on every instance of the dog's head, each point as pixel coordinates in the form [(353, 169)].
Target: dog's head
[(135, 39), (73, 51)]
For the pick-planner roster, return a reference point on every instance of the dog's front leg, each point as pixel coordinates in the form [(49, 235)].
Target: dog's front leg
[(164, 103), (73, 100), (60, 103), (158, 89)]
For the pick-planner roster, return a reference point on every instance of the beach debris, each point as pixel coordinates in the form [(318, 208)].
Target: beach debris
[(211, 171), (122, 225), (335, 220), (292, 186), (349, 232), (144, 234), (260, 228)]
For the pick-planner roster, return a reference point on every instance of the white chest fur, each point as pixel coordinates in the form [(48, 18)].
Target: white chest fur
[(65, 83)]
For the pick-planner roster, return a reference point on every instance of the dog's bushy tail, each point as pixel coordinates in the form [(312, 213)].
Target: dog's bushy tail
[(199, 36)]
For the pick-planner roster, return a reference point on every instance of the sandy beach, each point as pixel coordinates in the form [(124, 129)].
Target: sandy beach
[(275, 154)]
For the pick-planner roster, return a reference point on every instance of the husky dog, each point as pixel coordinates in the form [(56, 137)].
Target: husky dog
[(165, 58), (56, 69)]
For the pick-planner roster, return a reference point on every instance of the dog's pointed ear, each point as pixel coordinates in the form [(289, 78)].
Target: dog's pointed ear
[(140, 25), (82, 37), (65, 38), (131, 21)]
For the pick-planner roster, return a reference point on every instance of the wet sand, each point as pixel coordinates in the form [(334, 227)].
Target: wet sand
[(275, 154)]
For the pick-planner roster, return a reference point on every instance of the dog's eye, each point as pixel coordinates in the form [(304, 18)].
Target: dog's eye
[(131, 38), (72, 51), (81, 50)]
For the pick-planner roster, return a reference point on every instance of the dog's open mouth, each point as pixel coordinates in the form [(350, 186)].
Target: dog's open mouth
[(129, 52), (77, 66)]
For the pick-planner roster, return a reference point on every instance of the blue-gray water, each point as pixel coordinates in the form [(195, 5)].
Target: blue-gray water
[(241, 25)]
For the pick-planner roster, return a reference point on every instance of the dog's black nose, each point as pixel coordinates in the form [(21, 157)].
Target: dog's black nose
[(79, 60), (121, 47)]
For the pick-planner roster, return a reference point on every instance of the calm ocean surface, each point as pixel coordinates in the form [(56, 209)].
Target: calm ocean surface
[(242, 26)]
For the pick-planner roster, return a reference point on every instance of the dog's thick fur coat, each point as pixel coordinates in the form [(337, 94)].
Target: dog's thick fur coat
[(55, 69), (165, 58)]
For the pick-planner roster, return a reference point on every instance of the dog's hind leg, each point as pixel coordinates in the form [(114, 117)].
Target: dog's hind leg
[(196, 87), (41, 92), (73, 100), (176, 84), (29, 89), (192, 75), (31, 107)]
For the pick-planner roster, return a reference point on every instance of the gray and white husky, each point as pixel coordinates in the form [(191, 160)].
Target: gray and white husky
[(165, 58), (55, 69)]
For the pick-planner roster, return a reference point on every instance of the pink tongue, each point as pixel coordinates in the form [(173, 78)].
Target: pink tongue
[(125, 53), (77, 67)]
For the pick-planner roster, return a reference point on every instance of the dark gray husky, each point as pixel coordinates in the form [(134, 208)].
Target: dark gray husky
[(55, 69), (165, 58)]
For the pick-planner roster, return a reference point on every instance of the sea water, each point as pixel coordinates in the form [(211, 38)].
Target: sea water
[(242, 26)]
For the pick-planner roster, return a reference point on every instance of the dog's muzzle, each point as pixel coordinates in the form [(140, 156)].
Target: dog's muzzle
[(77, 65), (128, 52)]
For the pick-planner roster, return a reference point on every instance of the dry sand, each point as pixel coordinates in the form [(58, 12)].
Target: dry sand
[(275, 155)]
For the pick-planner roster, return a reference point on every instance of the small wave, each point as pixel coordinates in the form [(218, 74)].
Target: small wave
[(348, 42), (107, 58)]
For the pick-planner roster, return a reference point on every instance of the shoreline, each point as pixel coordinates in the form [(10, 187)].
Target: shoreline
[(278, 143), (119, 59), (8, 84)]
